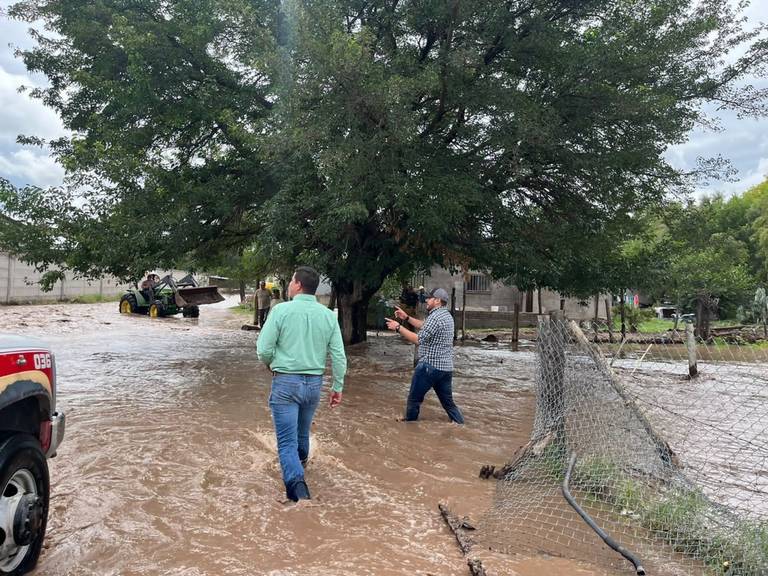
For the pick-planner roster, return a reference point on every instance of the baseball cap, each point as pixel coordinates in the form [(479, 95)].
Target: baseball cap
[(439, 293)]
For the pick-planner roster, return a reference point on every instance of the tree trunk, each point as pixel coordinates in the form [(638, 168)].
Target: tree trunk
[(464, 312), (677, 317), (609, 317), (701, 310), (352, 301), (550, 394), (332, 299), (453, 313), (516, 324), (242, 291)]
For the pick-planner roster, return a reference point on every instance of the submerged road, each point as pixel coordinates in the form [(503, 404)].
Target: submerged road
[(169, 463)]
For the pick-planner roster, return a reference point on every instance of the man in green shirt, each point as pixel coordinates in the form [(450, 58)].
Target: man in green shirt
[(294, 342)]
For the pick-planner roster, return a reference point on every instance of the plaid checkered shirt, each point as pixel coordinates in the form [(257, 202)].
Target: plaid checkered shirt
[(436, 340)]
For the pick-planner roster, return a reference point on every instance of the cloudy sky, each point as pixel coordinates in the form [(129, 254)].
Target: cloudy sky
[(744, 142)]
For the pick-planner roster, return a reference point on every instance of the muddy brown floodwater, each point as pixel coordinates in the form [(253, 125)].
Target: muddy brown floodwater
[(169, 463)]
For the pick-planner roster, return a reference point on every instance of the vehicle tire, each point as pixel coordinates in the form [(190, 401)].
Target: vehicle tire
[(191, 312), (157, 309), (128, 304), (24, 492)]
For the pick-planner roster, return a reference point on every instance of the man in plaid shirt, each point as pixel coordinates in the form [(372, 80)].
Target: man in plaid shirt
[(435, 367)]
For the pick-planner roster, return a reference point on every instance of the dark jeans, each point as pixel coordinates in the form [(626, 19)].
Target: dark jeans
[(293, 402), (263, 316), (425, 377)]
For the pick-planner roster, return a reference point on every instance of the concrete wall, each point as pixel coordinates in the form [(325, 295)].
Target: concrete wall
[(502, 298), (18, 284)]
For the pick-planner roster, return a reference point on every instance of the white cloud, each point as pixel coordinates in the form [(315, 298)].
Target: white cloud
[(35, 167), (20, 114)]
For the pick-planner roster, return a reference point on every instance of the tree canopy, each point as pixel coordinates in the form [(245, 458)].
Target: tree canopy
[(369, 136)]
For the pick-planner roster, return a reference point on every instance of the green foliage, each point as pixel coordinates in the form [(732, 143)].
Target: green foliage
[(243, 310), (634, 318)]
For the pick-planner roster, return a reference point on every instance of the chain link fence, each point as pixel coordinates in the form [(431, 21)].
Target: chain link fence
[(659, 441)]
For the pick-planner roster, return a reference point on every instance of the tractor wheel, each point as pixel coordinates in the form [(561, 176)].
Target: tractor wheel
[(24, 494), (128, 304), (157, 309), (191, 312)]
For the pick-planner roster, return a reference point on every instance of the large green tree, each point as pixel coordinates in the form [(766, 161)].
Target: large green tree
[(368, 136)]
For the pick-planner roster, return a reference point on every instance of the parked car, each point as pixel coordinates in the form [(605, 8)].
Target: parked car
[(30, 432)]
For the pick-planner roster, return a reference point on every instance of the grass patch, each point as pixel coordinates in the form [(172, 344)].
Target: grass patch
[(681, 519), (243, 309), (657, 325)]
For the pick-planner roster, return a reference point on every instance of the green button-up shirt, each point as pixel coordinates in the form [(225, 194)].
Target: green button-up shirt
[(297, 337)]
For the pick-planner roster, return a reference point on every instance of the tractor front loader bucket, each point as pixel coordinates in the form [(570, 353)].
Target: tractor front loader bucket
[(195, 296)]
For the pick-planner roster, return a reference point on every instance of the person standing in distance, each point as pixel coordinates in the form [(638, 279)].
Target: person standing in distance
[(294, 342), (435, 366), (263, 299)]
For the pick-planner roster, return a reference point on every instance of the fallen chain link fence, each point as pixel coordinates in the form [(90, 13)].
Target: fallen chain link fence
[(662, 443)]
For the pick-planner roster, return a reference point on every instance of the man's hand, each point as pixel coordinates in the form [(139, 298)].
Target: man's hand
[(392, 324), (335, 399), (400, 313)]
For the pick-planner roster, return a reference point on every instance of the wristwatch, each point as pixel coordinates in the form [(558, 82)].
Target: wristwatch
[(398, 328)]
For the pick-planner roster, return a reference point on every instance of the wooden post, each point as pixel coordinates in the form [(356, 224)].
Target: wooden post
[(538, 297), (690, 344), (516, 323), (453, 313), (597, 307), (609, 317), (623, 317), (464, 312), (596, 319)]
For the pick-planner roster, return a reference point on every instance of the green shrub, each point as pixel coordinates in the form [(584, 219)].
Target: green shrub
[(632, 316)]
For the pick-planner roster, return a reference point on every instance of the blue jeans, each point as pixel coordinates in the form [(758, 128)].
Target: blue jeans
[(293, 402), (426, 377)]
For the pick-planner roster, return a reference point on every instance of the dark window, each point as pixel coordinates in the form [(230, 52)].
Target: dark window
[(478, 283)]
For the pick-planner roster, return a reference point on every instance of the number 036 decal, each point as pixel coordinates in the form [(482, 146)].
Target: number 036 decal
[(42, 361)]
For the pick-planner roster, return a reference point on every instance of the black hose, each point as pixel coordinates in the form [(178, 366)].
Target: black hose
[(587, 518)]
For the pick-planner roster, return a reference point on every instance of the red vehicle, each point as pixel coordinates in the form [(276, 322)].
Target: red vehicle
[(30, 432)]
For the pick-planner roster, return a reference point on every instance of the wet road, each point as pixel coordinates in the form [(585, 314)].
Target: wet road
[(169, 464)]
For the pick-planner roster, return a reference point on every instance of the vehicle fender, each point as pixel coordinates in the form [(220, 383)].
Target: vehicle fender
[(22, 385)]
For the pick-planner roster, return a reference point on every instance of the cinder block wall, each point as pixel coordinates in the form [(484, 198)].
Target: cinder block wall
[(19, 284), (502, 297)]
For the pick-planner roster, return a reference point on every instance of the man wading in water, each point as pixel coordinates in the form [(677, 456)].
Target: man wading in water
[(435, 367), (294, 342)]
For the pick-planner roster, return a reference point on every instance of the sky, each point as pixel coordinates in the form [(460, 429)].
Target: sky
[(743, 141)]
